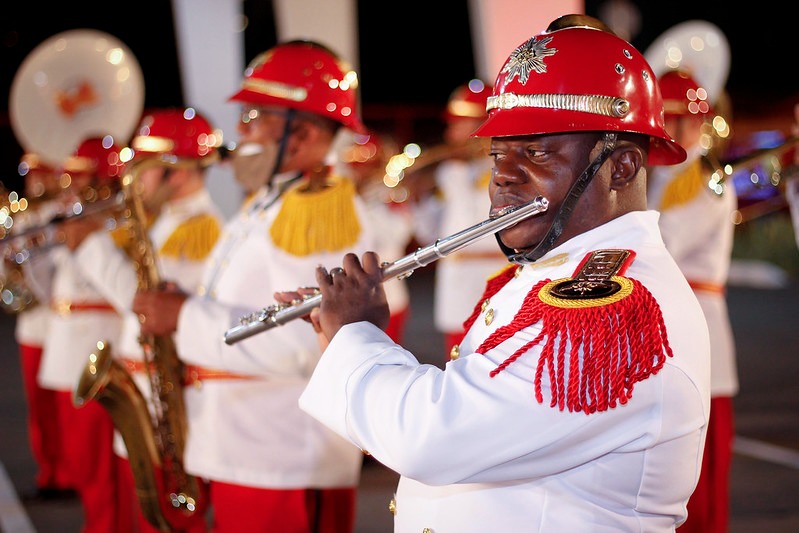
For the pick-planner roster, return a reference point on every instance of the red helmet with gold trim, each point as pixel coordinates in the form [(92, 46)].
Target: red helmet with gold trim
[(306, 76), (682, 95), (579, 78), (468, 101), (96, 156), (178, 133)]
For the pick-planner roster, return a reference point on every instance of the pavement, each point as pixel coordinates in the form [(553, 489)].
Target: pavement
[(765, 470)]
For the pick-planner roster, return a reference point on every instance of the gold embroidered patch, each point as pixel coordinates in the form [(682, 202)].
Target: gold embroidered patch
[(594, 284)]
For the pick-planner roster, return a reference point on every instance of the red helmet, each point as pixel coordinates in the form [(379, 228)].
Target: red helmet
[(682, 95), (468, 101), (98, 156), (579, 78), (306, 76), (180, 133)]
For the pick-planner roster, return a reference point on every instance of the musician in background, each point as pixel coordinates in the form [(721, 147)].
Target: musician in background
[(462, 181), (271, 467), (393, 218), (696, 221), (184, 226), (80, 317), (581, 394), (42, 191), (792, 186)]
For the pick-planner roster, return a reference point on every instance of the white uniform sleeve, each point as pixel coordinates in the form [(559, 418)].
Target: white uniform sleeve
[(38, 272), (408, 415), (108, 268)]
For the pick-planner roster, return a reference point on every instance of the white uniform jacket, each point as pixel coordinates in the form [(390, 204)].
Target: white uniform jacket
[(249, 430), (31, 326), (792, 195), (81, 316), (115, 276), (479, 454), (697, 227), (460, 277), (394, 224)]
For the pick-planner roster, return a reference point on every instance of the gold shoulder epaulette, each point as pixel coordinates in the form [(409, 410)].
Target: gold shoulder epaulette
[(612, 323), (317, 221), (484, 179), (121, 237), (684, 187), (193, 239)]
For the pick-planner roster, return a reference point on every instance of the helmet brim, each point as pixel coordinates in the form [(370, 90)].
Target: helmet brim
[(663, 150)]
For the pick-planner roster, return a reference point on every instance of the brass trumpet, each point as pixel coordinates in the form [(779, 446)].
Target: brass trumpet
[(770, 162), (20, 245), (410, 170)]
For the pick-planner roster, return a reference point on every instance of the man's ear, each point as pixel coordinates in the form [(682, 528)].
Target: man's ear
[(628, 161)]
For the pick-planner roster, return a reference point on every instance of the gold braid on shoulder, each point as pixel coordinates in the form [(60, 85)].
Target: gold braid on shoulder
[(317, 221)]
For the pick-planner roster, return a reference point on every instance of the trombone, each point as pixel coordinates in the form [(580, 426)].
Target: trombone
[(17, 246), (777, 174)]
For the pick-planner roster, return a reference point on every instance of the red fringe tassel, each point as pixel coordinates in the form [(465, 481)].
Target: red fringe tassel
[(623, 342)]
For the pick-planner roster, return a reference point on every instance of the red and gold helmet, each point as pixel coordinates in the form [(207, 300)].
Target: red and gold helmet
[(468, 101), (579, 78), (96, 156), (306, 76), (682, 95), (176, 133)]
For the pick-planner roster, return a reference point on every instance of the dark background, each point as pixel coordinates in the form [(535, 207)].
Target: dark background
[(411, 57)]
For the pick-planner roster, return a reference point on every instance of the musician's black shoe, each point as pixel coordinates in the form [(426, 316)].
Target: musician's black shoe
[(42, 495)]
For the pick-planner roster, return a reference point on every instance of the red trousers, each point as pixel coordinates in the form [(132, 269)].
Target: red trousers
[(396, 325), (43, 424), (237, 508), (709, 506), (131, 518), (87, 436)]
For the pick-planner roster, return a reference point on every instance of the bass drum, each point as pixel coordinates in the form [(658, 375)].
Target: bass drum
[(76, 84)]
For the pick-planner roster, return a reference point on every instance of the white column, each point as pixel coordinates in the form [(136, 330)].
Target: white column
[(333, 23), (499, 26), (210, 44)]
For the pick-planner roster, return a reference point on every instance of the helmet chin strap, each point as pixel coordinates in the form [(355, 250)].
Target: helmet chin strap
[(564, 213), (281, 149)]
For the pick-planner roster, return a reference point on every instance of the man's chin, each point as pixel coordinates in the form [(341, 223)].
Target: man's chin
[(519, 243)]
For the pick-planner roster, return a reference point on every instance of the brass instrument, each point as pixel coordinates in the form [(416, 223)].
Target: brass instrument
[(279, 314), (23, 244), (767, 170), (408, 171), (701, 49), (169, 497), (15, 294), (71, 86)]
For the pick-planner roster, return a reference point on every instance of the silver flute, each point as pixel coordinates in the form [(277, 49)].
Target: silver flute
[(279, 313)]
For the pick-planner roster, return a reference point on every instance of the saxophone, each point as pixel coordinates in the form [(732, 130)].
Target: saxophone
[(154, 432)]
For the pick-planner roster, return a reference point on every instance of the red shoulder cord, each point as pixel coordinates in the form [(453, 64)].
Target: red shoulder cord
[(614, 342)]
